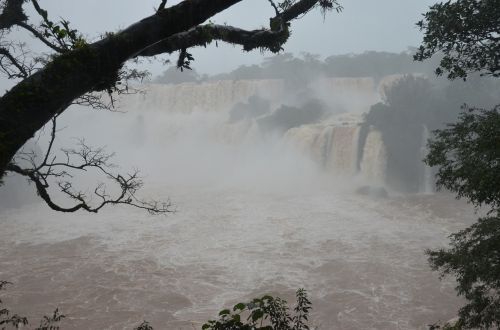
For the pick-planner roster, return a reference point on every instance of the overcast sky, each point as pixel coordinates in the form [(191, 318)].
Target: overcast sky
[(383, 25)]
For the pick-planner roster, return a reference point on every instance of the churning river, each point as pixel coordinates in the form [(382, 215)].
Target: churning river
[(252, 218)]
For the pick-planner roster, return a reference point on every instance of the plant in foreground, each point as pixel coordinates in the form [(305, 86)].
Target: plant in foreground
[(266, 313)]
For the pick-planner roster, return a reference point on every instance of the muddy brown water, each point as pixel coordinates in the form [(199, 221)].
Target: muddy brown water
[(361, 259)]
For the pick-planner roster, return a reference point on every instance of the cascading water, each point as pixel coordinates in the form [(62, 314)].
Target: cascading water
[(374, 160), (334, 146), (333, 143), (343, 150), (210, 96), (427, 183), (253, 218)]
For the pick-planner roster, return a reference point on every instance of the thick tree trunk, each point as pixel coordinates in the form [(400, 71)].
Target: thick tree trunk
[(29, 105)]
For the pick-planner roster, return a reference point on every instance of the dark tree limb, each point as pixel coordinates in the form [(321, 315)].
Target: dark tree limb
[(22, 71), (205, 34), (302, 7), (12, 13), (276, 10), (162, 5), (83, 160), (29, 105)]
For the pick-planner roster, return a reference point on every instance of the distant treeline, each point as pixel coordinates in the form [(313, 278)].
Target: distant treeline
[(308, 66), (411, 106)]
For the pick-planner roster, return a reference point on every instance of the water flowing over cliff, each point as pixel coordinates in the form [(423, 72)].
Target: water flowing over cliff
[(330, 130), (374, 157), (427, 186), (334, 145), (274, 188), (211, 96)]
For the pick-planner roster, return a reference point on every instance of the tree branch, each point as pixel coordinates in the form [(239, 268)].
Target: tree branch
[(87, 158), (12, 14), (202, 35), (29, 105), (95, 67), (299, 8), (22, 70), (39, 36), (162, 5), (271, 2), (205, 34)]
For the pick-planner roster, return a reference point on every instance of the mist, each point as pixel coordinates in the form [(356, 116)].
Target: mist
[(276, 183), (297, 170)]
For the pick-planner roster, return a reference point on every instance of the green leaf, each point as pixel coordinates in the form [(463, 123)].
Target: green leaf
[(240, 306), (62, 34), (224, 312), (257, 314)]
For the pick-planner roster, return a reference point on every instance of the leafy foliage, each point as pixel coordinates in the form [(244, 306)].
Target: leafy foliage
[(474, 259), (266, 313), (51, 322), (468, 156), (60, 34), (15, 321), (144, 326), (184, 60), (467, 32), (467, 153), (7, 319), (325, 5), (410, 105)]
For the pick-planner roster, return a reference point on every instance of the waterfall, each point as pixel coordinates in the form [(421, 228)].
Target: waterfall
[(333, 145), (312, 140), (210, 96), (374, 160), (192, 109), (343, 150), (427, 183), (354, 95)]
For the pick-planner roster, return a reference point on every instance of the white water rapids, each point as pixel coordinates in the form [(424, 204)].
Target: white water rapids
[(254, 217)]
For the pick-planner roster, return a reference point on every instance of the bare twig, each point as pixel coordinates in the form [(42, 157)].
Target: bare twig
[(83, 159), (277, 12), (22, 71), (39, 36), (162, 5)]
